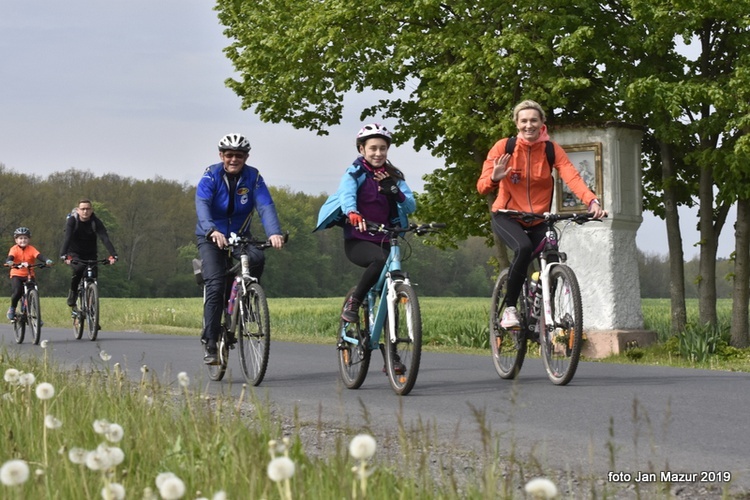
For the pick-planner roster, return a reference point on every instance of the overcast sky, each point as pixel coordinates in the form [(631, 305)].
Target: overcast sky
[(136, 88)]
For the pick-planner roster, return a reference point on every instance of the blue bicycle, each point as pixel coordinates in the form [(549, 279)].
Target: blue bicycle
[(392, 305)]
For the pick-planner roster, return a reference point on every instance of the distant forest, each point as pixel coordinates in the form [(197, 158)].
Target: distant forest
[(152, 223)]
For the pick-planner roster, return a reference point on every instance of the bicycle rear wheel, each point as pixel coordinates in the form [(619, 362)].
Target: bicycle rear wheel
[(354, 358), (254, 334), (19, 325), (508, 345), (404, 342), (92, 310), (561, 341), (34, 316), (78, 316)]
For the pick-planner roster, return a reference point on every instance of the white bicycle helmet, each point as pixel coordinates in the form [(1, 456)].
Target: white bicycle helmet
[(22, 231), (234, 142), (373, 130)]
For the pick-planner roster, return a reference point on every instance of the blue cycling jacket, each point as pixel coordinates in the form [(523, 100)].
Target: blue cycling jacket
[(251, 193)]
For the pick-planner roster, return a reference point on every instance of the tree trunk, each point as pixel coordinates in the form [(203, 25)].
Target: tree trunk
[(674, 242), (708, 245), (741, 291)]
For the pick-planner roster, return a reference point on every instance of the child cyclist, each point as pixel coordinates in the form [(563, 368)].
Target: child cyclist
[(371, 190), (21, 254)]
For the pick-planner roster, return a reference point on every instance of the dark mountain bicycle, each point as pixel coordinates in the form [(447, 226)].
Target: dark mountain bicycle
[(549, 308), (390, 305), (29, 311), (246, 319), (86, 312)]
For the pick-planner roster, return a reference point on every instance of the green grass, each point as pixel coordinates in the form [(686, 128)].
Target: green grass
[(448, 324)]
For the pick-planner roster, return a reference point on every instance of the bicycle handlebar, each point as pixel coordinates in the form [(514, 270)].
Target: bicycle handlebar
[(419, 229), (236, 241), (578, 218), (29, 266), (89, 262)]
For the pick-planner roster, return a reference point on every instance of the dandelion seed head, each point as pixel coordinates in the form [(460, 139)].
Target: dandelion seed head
[(26, 379), (7, 397), (39, 472), (362, 447), (163, 476), (112, 454), (14, 472), (542, 488), (114, 433), (101, 426), (280, 468), (44, 343), (45, 390), (113, 491), (104, 356), (172, 488), (77, 455), (183, 378), (97, 461), (144, 369), (51, 422), (11, 375), (220, 495), (148, 494)]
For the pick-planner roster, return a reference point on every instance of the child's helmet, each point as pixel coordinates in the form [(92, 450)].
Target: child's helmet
[(22, 231), (372, 130)]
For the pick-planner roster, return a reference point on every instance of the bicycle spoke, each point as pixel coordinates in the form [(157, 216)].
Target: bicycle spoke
[(354, 358), (508, 345), (561, 347)]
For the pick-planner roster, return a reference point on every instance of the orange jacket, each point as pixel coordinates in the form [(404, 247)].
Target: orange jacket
[(17, 255), (532, 191)]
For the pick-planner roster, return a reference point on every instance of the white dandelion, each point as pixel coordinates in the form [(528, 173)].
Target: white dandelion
[(44, 343), (362, 447), (97, 461), (184, 379), (51, 422), (112, 455), (172, 488), (11, 376), (114, 433), (45, 390), (280, 468), (77, 455), (26, 379), (101, 426), (144, 369), (541, 487), (113, 491), (163, 476), (14, 472), (104, 356), (220, 495)]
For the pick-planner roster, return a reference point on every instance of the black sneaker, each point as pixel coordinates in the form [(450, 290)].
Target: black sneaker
[(211, 357), (350, 314)]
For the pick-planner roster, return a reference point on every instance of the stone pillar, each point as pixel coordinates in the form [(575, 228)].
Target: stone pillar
[(604, 255)]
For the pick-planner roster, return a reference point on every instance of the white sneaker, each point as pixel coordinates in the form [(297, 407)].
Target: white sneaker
[(510, 318)]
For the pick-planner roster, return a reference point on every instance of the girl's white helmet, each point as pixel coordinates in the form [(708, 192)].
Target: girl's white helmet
[(234, 142), (373, 130)]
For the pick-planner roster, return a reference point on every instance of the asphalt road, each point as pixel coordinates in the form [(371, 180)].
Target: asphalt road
[(657, 419)]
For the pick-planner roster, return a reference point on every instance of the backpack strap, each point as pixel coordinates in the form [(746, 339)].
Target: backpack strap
[(549, 149)]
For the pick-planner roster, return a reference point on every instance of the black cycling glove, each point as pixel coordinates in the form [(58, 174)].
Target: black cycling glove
[(388, 186)]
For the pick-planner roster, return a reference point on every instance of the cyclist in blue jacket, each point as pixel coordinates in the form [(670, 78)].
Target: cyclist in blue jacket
[(225, 199)]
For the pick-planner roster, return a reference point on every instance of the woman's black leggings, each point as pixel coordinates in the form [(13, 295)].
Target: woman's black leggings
[(522, 241), (372, 257)]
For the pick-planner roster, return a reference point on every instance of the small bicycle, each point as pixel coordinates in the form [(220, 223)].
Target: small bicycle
[(86, 312), (29, 311), (246, 319), (549, 308), (357, 340)]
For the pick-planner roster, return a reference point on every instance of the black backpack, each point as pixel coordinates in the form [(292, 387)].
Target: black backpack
[(549, 148), (74, 213)]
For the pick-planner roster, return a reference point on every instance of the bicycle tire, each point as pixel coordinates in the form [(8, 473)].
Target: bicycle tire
[(508, 345), (92, 310), (254, 334), (404, 341), (561, 344), (19, 324), (34, 316), (78, 316), (354, 359)]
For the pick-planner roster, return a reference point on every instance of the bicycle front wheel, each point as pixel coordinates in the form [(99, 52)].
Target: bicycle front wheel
[(354, 358), (19, 327), (92, 310), (508, 345), (34, 316), (561, 341), (255, 334), (404, 343), (78, 316)]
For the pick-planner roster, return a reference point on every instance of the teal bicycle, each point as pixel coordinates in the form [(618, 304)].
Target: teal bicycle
[(390, 305)]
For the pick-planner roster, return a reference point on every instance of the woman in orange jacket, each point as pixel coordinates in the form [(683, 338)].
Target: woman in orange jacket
[(524, 182)]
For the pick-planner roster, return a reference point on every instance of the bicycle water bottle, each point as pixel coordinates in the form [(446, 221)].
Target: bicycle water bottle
[(233, 296), (536, 292), (245, 259)]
